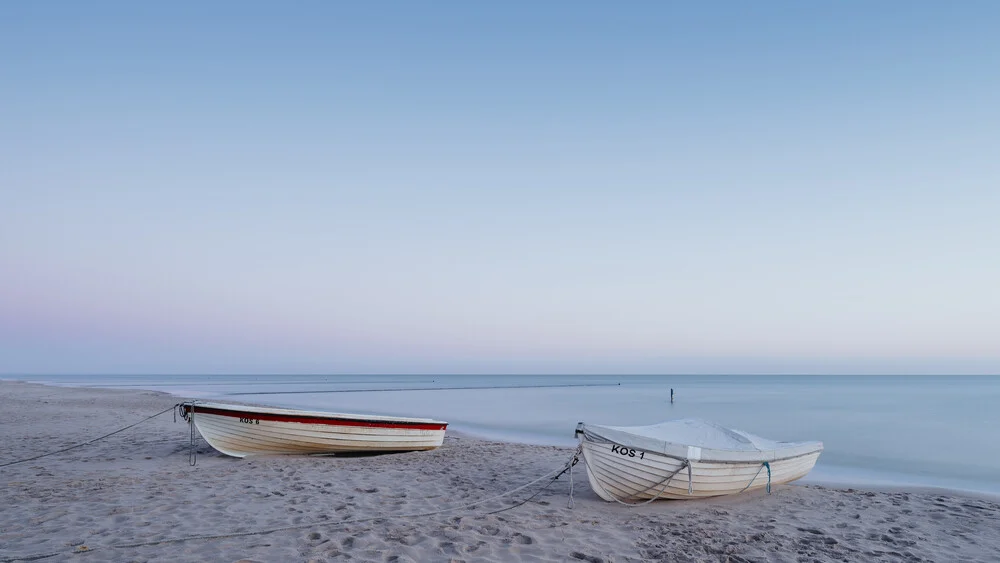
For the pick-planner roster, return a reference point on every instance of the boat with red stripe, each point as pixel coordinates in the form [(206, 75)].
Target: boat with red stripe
[(242, 430)]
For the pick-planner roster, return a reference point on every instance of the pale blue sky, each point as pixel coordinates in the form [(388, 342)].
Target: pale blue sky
[(561, 187)]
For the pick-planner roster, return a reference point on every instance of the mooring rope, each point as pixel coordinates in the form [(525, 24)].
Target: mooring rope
[(684, 464), (87, 442), (569, 467), (192, 445), (665, 483), (551, 475), (576, 458), (38, 556), (762, 466)]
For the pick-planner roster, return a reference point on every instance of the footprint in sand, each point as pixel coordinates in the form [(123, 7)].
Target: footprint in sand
[(448, 548), (523, 539), (585, 557)]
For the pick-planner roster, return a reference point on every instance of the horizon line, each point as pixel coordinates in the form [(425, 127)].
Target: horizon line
[(151, 374)]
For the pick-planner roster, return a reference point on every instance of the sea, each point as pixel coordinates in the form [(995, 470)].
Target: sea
[(880, 431)]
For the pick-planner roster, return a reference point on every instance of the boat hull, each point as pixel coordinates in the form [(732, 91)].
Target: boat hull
[(626, 474), (240, 431)]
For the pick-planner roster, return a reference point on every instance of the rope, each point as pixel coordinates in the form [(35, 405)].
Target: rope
[(552, 475), (664, 482), (569, 467), (189, 417), (353, 521), (576, 458), (601, 439), (88, 442), (33, 557), (763, 465), (690, 479)]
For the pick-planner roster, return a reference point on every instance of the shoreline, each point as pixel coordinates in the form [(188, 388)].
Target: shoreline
[(131, 496), (830, 476)]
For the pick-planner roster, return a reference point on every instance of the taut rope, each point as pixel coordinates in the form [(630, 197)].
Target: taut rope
[(551, 475), (87, 442), (762, 466), (665, 483)]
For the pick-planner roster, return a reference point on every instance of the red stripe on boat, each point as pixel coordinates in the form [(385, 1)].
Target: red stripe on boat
[(305, 419)]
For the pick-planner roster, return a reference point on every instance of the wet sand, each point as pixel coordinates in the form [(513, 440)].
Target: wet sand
[(134, 497)]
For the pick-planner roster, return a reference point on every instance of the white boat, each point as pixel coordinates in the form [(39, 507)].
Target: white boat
[(242, 430), (687, 458)]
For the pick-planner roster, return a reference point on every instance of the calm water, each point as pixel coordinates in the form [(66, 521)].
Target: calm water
[(916, 430)]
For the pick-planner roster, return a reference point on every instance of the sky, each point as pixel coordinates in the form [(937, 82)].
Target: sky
[(506, 187)]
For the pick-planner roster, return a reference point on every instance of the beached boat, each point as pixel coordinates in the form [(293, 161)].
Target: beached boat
[(242, 430), (687, 458)]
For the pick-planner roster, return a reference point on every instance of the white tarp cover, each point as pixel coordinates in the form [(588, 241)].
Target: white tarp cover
[(696, 439)]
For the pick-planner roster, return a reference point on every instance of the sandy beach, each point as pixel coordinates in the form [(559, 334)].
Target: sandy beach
[(134, 496)]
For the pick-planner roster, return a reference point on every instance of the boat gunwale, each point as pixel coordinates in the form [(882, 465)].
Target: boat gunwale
[(588, 437), (312, 417)]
